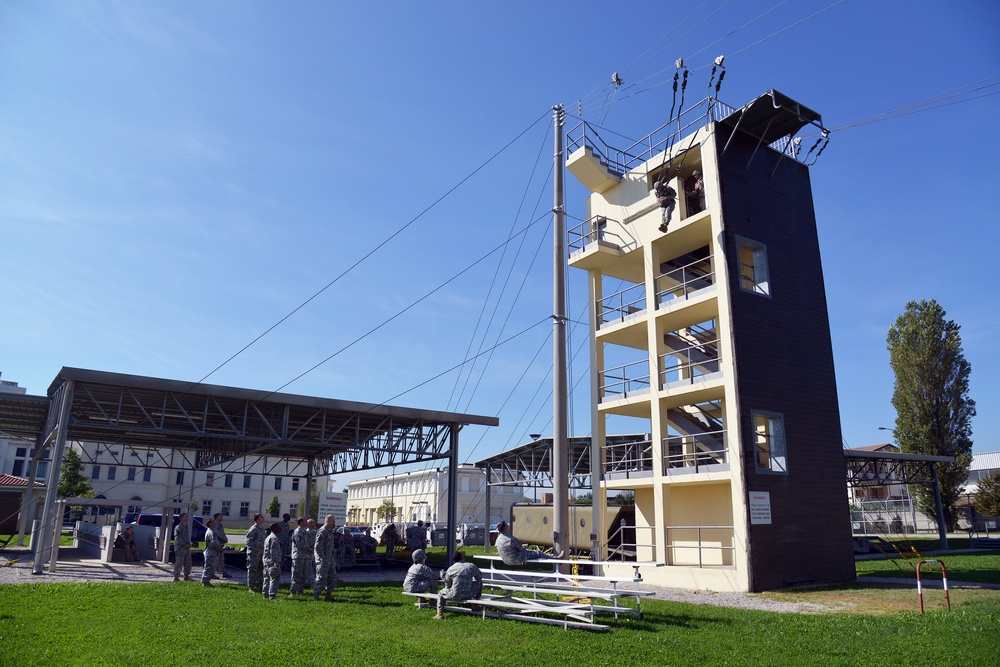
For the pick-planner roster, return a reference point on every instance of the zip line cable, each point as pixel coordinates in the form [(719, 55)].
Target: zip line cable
[(503, 291), (376, 248)]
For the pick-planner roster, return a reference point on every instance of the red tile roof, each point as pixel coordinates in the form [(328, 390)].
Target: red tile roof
[(11, 480)]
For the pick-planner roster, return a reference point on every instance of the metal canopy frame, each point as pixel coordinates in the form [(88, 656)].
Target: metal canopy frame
[(879, 468), (210, 426)]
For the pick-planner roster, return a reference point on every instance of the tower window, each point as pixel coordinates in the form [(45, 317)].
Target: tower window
[(753, 267), (769, 442)]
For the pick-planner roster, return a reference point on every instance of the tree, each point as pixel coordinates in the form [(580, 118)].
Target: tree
[(988, 495), (273, 507), (931, 396), (313, 504), (583, 499), (386, 511), (72, 482)]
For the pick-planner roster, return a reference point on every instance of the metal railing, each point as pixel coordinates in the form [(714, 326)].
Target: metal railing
[(625, 458), (690, 362), (619, 305), (695, 451), (623, 160), (684, 280), (694, 538), (623, 544), (624, 380), (594, 230)]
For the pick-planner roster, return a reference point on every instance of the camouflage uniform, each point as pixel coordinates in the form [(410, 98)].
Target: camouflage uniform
[(326, 569), (390, 537), (415, 538), (311, 563), (302, 553), (346, 549), (463, 581), (420, 579), (512, 553), (666, 197), (368, 544), (182, 550), (284, 536), (255, 556), (272, 566), (212, 548), (220, 562)]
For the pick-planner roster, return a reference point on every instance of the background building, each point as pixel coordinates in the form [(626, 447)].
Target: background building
[(422, 495), (243, 489)]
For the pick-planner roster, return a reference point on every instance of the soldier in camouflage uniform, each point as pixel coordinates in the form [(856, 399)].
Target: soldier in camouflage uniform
[(212, 548), (220, 532), (368, 544), (326, 570), (463, 581), (255, 553), (285, 535), (302, 552), (311, 569), (272, 562), (420, 578), (182, 549)]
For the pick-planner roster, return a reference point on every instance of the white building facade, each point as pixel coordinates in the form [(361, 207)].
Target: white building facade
[(144, 477), (422, 495)]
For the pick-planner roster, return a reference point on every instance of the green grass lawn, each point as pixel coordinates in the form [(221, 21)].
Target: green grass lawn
[(977, 567), (186, 624)]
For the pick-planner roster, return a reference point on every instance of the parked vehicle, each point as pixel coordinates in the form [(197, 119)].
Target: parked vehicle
[(197, 523)]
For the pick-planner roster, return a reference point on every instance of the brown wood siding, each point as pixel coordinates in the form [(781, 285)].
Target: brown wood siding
[(784, 361)]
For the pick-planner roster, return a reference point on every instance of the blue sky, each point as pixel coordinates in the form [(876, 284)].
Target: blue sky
[(175, 178)]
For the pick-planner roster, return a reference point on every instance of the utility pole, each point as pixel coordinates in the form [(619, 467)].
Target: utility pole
[(560, 445)]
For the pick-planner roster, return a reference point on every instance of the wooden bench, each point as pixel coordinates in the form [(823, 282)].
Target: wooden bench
[(574, 615)]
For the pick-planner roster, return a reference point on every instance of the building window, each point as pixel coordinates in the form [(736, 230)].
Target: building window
[(147, 474), (225, 507), (295, 483), (43, 470), (96, 473), (277, 485), (769, 442), (246, 481), (134, 509), (753, 267), (131, 474), (293, 510), (206, 508), (112, 473), (229, 481), (209, 479), (244, 510), (180, 478)]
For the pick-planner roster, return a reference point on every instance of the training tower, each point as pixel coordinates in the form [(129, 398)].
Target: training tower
[(713, 338)]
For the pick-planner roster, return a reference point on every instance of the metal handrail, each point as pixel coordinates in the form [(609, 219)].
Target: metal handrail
[(693, 369), (627, 457), (699, 546), (589, 231), (687, 279), (616, 308), (620, 552), (714, 450), (621, 381)]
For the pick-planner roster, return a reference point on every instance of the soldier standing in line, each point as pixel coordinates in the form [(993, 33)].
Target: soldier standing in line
[(285, 535), (302, 552), (326, 571), (255, 553), (463, 581), (389, 536), (182, 548), (212, 548), (272, 562), (220, 532), (311, 565)]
